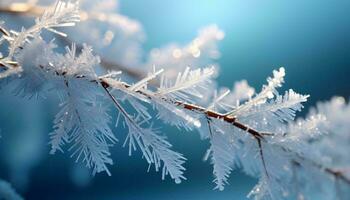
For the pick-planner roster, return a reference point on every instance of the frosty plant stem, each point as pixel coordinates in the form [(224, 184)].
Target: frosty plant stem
[(256, 132), (259, 136)]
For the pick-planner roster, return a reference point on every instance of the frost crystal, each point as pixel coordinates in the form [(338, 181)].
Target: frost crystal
[(91, 136), (255, 132), (187, 84)]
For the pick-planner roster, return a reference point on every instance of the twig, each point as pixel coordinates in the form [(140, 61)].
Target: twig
[(261, 152), (24, 8), (4, 31), (210, 114)]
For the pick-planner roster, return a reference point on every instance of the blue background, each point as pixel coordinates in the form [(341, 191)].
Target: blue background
[(309, 38)]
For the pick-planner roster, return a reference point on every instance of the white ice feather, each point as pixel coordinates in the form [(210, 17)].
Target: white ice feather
[(284, 107), (62, 14), (186, 83), (156, 150), (268, 92)]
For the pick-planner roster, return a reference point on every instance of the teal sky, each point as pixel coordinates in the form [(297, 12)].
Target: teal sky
[(309, 38)]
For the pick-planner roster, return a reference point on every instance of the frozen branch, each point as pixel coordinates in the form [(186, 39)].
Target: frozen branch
[(241, 125)]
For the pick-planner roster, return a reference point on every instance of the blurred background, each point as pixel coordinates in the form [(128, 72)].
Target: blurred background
[(309, 38)]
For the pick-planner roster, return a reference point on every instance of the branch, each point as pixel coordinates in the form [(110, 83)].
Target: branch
[(257, 135), (4, 31), (33, 10)]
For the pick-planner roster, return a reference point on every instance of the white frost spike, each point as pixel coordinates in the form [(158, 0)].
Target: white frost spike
[(222, 158), (140, 109), (111, 74), (186, 83), (218, 98), (82, 65), (156, 150), (84, 123), (143, 83), (268, 92), (61, 15), (174, 116), (275, 82), (284, 107)]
